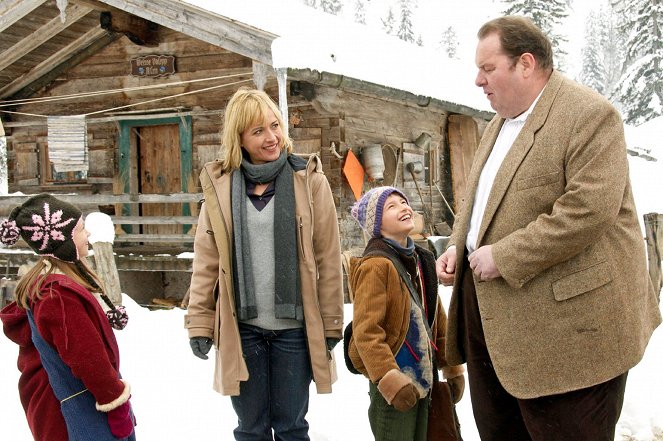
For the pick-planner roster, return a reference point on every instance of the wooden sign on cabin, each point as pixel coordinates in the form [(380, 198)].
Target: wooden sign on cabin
[(153, 66)]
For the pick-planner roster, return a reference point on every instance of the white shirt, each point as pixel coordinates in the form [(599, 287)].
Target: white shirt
[(508, 134)]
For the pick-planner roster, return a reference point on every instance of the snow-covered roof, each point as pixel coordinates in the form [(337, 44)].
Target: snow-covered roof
[(311, 39)]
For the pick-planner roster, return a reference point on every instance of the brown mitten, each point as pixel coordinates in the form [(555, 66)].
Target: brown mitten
[(456, 387), (455, 380), (398, 390)]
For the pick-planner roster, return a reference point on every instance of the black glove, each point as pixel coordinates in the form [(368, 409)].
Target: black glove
[(331, 342), (200, 346)]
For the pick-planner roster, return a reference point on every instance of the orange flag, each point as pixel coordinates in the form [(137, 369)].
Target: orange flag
[(354, 173)]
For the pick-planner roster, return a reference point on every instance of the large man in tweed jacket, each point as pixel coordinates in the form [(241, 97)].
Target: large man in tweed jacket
[(559, 271)]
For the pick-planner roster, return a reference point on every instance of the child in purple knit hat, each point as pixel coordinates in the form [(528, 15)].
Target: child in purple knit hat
[(399, 324)]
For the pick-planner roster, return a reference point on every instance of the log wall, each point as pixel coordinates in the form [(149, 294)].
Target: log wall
[(352, 121)]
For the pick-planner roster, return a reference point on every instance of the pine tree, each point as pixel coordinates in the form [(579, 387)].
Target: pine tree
[(593, 73), (640, 89), (449, 42), (388, 23), (331, 6), (614, 53), (420, 40), (547, 15), (603, 53), (311, 3), (360, 12), (405, 31)]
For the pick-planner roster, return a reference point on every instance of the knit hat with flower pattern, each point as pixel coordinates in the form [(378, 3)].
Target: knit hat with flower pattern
[(368, 210), (46, 224)]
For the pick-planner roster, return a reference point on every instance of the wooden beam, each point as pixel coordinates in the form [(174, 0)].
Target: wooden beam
[(97, 5), (120, 117), (93, 4), (140, 31), (14, 10), (203, 25), (155, 220), (152, 263), (54, 73), (42, 35), (128, 262), (166, 238), (107, 199), (56, 59)]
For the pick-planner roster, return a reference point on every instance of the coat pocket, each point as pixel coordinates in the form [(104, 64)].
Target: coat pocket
[(582, 281), (300, 237), (538, 181)]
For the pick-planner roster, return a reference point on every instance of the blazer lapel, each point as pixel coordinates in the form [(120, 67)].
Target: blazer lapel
[(518, 151)]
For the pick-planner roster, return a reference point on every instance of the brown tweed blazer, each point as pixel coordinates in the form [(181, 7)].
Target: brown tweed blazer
[(575, 306)]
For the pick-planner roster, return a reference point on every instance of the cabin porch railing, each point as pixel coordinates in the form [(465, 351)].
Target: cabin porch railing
[(92, 203)]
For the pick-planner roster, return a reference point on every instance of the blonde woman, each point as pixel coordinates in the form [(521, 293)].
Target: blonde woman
[(70, 384), (266, 286)]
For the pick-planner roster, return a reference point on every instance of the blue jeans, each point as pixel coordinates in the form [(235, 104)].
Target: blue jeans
[(277, 392)]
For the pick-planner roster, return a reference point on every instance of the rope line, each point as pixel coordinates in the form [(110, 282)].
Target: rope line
[(8, 103), (206, 89), (167, 97)]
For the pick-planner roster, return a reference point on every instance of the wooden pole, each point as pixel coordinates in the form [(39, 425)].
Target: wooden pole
[(654, 239), (107, 270)]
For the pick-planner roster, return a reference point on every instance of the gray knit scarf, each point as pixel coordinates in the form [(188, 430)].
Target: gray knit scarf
[(287, 294)]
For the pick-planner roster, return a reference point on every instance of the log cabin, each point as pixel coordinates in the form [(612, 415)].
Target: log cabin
[(140, 87)]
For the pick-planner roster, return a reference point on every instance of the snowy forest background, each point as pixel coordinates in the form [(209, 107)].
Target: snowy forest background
[(620, 54)]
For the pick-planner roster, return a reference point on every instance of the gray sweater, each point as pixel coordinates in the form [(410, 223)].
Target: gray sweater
[(260, 226)]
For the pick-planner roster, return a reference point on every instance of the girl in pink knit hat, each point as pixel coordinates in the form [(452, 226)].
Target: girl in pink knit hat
[(70, 384)]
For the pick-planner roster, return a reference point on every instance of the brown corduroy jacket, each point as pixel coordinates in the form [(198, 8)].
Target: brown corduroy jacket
[(575, 306), (381, 316)]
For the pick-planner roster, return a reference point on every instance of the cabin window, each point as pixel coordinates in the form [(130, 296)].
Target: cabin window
[(65, 177), (51, 176)]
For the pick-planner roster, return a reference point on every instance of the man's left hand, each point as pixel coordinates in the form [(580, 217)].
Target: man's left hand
[(483, 265)]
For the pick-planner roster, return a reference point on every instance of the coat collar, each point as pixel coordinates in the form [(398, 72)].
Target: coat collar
[(221, 182)]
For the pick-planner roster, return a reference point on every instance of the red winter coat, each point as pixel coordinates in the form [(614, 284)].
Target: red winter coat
[(71, 320)]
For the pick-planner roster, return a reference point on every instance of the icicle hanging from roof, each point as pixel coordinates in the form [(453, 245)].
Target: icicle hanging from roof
[(67, 143), (260, 72), (282, 80), (62, 5)]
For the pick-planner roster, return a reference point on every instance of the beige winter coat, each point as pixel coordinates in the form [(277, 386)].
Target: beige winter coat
[(574, 306), (211, 310)]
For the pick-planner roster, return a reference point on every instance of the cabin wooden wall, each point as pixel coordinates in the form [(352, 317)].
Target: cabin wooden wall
[(110, 69), (352, 121)]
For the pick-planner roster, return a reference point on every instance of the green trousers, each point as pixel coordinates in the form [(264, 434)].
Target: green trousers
[(388, 424)]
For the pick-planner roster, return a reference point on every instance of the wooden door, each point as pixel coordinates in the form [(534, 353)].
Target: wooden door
[(463, 135), (160, 172)]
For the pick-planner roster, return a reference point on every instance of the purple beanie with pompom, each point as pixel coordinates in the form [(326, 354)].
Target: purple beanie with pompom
[(367, 211)]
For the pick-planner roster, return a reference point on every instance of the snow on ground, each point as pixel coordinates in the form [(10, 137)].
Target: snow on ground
[(173, 397)]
